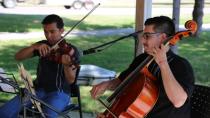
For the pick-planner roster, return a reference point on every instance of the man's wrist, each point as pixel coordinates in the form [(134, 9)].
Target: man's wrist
[(34, 46), (162, 61), (70, 66)]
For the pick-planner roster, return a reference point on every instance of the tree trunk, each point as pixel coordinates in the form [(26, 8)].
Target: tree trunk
[(198, 15), (176, 14)]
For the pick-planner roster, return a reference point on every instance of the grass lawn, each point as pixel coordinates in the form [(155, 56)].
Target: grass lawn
[(116, 57), (19, 23)]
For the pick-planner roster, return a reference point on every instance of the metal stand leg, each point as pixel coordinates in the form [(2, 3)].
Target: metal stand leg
[(24, 112), (45, 104)]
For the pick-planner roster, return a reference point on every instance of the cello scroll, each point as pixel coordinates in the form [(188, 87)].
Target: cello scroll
[(191, 27)]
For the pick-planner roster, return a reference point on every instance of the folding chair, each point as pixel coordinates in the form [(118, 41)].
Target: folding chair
[(75, 92)]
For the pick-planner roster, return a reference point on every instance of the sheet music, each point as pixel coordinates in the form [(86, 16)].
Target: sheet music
[(7, 88), (6, 85), (26, 77)]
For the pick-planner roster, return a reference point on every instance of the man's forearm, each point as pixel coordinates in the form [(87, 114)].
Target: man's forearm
[(70, 73), (24, 53)]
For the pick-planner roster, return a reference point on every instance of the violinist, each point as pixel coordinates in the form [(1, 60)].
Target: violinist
[(174, 74), (54, 77)]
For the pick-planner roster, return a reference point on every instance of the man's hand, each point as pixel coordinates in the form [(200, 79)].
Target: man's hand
[(99, 89), (66, 60), (159, 54), (100, 115), (43, 49)]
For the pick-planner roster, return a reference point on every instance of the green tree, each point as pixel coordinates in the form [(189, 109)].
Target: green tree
[(198, 15)]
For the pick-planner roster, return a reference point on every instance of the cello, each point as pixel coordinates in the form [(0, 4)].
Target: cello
[(138, 93)]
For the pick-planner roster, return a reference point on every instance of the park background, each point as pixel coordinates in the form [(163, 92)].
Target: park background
[(115, 58)]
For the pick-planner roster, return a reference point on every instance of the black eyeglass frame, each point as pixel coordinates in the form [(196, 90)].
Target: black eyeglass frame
[(147, 35)]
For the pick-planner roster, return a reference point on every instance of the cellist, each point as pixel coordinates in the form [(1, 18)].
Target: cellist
[(174, 73)]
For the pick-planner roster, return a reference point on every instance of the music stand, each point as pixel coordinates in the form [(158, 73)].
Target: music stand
[(6, 84), (11, 86), (45, 104)]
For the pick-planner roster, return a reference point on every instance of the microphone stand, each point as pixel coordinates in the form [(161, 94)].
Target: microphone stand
[(96, 49), (136, 44)]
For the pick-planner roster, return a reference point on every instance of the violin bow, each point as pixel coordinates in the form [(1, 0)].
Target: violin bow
[(62, 38), (27, 79)]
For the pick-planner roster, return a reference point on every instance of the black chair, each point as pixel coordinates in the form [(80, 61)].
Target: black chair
[(200, 101), (75, 93)]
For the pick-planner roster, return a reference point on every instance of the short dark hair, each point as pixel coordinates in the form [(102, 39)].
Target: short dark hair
[(53, 19), (162, 24)]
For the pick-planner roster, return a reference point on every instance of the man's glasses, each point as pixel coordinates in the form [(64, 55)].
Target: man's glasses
[(148, 35)]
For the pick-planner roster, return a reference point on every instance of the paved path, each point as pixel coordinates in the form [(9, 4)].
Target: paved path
[(28, 35), (43, 10), (104, 32)]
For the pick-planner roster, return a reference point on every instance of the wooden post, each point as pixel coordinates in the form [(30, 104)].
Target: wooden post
[(143, 11)]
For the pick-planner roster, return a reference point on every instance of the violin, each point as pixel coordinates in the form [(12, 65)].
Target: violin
[(138, 93), (63, 48)]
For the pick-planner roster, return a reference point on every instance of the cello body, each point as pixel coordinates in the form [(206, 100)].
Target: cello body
[(137, 99)]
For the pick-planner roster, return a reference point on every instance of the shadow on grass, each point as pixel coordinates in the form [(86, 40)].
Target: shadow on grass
[(25, 23), (196, 50), (9, 64)]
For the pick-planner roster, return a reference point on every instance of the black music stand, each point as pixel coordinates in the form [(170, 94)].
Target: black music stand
[(11, 86), (43, 103), (6, 84)]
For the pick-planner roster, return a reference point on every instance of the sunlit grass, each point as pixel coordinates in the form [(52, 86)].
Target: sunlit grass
[(197, 52), (32, 23), (116, 57)]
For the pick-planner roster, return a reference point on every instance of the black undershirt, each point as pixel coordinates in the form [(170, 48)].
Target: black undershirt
[(50, 74)]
